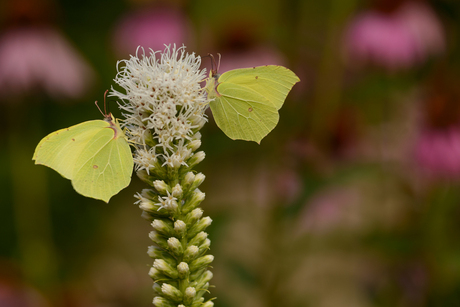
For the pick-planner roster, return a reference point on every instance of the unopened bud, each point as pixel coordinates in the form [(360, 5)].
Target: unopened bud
[(188, 181), (163, 227), (198, 239), (191, 253), (194, 201), (155, 274), (189, 295), (196, 136), (157, 288), (177, 191), (161, 187), (175, 246), (180, 228), (158, 239), (192, 217), (159, 301), (208, 304), (164, 267), (204, 247), (171, 292), (201, 262), (196, 158), (203, 279), (194, 145), (183, 270), (199, 178), (200, 226)]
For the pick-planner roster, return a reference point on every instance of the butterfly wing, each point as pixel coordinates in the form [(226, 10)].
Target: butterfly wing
[(60, 149), (270, 81), (242, 113), (94, 155), (105, 166)]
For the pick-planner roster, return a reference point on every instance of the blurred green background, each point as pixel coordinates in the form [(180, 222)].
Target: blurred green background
[(353, 200)]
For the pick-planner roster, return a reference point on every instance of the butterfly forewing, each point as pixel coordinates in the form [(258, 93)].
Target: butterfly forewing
[(271, 81), (243, 113), (59, 150)]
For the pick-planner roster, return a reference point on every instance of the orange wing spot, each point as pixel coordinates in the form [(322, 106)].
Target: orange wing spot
[(250, 109), (95, 166), (257, 77), (73, 140)]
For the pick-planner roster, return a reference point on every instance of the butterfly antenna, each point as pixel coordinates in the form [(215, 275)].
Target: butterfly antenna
[(213, 64), (218, 65), (105, 104), (105, 114)]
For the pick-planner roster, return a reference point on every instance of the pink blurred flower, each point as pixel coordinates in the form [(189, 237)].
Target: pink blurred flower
[(41, 58), (396, 40), (438, 152), (256, 56), (329, 209), (151, 28)]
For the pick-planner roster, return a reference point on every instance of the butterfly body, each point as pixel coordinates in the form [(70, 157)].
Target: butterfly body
[(94, 155), (246, 101)]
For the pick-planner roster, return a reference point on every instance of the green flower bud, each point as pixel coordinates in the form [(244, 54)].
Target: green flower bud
[(180, 228), (171, 292), (177, 191), (188, 181), (193, 201), (201, 262), (198, 302), (191, 253), (158, 239), (204, 247), (175, 246), (194, 145), (208, 304), (199, 178), (156, 274), (198, 239), (196, 158), (159, 301), (163, 227), (200, 226), (164, 267), (189, 295), (161, 187), (203, 280), (183, 270), (157, 288), (193, 216), (196, 136)]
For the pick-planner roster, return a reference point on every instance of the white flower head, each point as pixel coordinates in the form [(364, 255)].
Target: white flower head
[(162, 94)]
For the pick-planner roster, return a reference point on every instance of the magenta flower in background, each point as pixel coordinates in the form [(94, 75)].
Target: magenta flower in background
[(41, 59), (438, 152), (152, 28), (396, 40)]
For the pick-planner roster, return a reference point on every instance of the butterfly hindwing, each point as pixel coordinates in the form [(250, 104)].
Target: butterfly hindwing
[(243, 113), (105, 166)]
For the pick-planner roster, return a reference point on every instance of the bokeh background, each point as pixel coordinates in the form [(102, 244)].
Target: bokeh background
[(353, 200)]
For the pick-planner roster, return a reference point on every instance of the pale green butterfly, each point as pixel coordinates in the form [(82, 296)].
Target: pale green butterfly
[(247, 100), (94, 155)]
